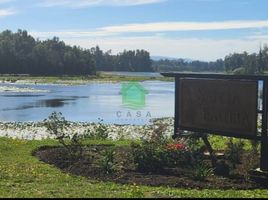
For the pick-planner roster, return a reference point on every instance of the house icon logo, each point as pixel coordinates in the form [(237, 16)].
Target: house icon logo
[(133, 95)]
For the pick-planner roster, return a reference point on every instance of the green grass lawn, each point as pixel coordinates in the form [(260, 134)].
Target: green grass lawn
[(22, 175)]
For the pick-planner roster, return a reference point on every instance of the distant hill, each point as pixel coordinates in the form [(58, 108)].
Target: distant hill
[(157, 58)]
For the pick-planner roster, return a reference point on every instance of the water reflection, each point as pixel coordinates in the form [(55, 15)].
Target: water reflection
[(85, 103), (47, 103), (22, 95), (54, 103)]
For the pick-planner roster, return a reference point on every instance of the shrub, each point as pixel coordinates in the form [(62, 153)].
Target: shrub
[(57, 127), (255, 147), (194, 144), (149, 157), (156, 153), (100, 132), (234, 151), (178, 154), (107, 162), (201, 171)]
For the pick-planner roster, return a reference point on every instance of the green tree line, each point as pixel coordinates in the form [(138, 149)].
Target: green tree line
[(245, 63), (20, 53), (235, 63), (193, 66), (131, 61)]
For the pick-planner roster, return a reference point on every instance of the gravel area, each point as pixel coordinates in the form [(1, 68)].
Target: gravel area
[(19, 89), (37, 131)]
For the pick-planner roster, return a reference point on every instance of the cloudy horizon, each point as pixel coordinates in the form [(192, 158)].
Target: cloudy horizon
[(195, 29)]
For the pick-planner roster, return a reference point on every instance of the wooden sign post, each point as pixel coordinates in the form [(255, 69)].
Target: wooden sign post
[(226, 105)]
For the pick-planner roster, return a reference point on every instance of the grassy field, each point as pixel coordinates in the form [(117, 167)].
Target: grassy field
[(74, 80), (22, 175)]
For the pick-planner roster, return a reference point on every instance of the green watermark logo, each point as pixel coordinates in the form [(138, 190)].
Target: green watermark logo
[(133, 95)]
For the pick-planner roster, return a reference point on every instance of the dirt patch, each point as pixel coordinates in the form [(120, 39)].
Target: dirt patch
[(126, 173)]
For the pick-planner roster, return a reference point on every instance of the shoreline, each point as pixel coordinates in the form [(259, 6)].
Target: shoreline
[(77, 80), (37, 131)]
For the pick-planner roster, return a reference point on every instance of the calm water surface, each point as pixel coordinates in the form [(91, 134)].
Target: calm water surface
[(87, 103)]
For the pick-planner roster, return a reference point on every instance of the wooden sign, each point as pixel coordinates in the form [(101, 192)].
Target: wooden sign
[(228, 106), (223, 104)]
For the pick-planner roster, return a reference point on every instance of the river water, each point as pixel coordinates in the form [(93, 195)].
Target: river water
[(87, 103)]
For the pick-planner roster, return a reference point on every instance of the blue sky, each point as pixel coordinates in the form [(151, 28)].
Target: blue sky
[(197, 29)]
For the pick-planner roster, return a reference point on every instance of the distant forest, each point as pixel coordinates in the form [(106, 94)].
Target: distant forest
[(243, 63), (20, 53), (183, 65)]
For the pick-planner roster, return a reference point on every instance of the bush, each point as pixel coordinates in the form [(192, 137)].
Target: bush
[(156, 153), (234, 151), (107, 162), (178, 154), (57, 127), (202, 171), (149, 157), (113, 161), (100, 132)]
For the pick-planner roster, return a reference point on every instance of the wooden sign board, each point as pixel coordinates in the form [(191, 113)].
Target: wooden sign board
[(228, 106)]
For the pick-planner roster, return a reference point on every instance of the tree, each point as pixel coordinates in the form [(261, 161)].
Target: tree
[(20, 53)]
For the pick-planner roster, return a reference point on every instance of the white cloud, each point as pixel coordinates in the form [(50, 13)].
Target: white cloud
[(201, 49), (194, 48), (71, 34), (7, 12), (185, 26), (258, 37), (113, 37), (88, 3), (159, 27)]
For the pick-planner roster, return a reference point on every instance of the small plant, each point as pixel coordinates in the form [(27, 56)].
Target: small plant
[(176, 147), (100, 132), (234, 151), (56, 124), (194, 143), (202, 171), (157, 152), (107, 162), (157, 135), (178, 154), (255, 145), (149, 156), (121, 135)]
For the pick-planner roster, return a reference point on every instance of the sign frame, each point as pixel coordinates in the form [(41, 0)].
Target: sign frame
[(262, 137), (220, 83)]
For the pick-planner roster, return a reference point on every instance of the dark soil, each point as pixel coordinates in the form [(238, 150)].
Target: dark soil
[(88, 166)]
